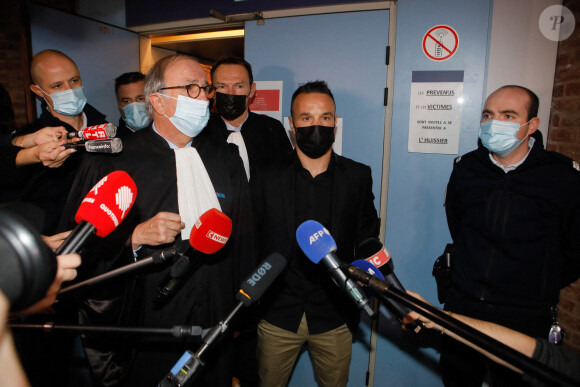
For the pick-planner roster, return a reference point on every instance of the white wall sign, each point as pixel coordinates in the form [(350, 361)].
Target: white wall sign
[(435, 112)]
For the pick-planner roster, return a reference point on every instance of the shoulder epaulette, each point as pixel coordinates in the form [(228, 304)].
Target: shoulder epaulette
[(566, 160), (457, 159)]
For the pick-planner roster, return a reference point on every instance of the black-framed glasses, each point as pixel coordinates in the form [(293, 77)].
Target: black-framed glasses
[(194, 90)]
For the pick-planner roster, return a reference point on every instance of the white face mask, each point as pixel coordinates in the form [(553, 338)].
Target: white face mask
[(500, 136), (69, 102), (136, 115), (191, 115)]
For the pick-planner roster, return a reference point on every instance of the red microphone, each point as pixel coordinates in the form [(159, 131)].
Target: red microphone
[(102, 210), (210, 233), (96, 132)]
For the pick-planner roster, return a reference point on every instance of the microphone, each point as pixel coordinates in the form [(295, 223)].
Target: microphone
[(102, 210), (398, 310), (210, 233), (251, 289), (378, 255), (109, 145), (95, 132), (319, 246)]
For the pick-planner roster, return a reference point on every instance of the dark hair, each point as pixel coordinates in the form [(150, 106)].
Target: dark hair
[(233, 60), (311, 87), (125, 79), (534, 100)]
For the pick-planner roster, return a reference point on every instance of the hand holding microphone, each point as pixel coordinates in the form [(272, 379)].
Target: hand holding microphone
[(319, 246), (375, 253), (209, 234), (102, 210)]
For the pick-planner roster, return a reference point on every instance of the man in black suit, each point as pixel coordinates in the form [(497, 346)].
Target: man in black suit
[(260, 139), (313, 183)]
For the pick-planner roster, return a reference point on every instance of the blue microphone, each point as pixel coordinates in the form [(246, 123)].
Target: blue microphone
[(372, 270), (319, 246), (398, 310)]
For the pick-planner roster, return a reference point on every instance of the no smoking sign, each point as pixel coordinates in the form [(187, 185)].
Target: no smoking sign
[(440, 43)]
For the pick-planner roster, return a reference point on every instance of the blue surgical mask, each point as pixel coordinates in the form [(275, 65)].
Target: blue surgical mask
[(136, 115), (69, 102), (500, 136), (191, 115)]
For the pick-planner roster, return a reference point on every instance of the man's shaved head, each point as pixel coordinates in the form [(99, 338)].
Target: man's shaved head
[(44, 60)]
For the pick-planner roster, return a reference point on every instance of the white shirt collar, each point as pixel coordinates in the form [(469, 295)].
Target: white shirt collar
[(512, 167), (232, 128), (171, 145)]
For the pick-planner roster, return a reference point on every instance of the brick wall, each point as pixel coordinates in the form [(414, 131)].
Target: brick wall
[(16, 54), (564, 137)]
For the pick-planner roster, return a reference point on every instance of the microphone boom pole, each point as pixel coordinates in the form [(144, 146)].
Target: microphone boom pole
[(157, 258), (471, 335)]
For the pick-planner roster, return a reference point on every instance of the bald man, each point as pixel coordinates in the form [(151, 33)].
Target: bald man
[(35, 165), (514, 216)]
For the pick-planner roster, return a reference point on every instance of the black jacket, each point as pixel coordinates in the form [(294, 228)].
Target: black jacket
[(515, 235), (46, 187), (265, 138), (304, 287)]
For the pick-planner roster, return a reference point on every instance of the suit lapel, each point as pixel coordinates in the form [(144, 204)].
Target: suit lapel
[(288, 185), (339, 198)]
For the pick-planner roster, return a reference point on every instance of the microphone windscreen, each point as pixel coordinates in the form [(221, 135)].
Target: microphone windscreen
[(98, 132), (211, 231), (256, 284), (108, 202), (315, 240), (372, 270), (374, 251), (108, 145)]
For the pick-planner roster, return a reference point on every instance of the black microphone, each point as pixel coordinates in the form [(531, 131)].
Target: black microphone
[(209, 234), (251, 289), (319, 246), (108, 145), (374, 252)]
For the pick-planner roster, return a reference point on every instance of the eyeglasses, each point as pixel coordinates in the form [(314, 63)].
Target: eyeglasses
[(194, 90)]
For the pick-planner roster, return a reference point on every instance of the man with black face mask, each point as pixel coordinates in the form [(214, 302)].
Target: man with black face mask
[(312, 183), (260, 139)]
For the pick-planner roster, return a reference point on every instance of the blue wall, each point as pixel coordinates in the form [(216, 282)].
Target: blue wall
[(416, 227), (416, 230), (337, 48)]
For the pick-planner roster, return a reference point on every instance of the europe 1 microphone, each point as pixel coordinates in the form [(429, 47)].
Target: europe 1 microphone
[(102, 210), (319, 246), (251, 289), (95, 132), (209, 234)]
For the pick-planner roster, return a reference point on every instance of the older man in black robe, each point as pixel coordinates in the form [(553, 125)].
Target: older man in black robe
[(178, 95)]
